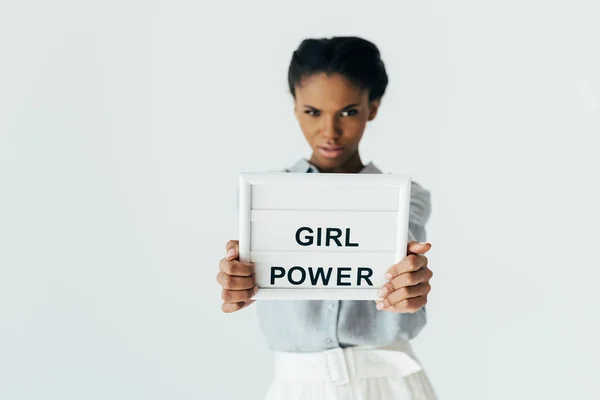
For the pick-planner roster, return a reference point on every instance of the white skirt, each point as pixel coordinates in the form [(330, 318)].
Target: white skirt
[(353, 373)]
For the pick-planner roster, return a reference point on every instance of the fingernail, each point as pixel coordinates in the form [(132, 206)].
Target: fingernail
[(380, 306), (382, 292), (255, 289), (388, 276), (230, 253), (423, 243)]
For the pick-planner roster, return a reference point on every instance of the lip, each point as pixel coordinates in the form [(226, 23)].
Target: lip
[(331, 151)]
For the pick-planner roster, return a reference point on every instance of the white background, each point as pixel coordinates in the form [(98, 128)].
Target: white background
[(123, 126)]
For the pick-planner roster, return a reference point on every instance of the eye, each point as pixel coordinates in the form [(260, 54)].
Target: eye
[(349, 113), (312, 113)]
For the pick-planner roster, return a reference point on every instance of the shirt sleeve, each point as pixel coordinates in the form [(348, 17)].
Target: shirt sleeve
[(420, 210)]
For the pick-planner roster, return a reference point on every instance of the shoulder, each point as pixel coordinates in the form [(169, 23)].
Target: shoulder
[(417, 190), (300, 166), (420, 203)]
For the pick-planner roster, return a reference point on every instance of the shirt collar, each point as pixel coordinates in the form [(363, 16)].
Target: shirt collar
[(303, 166)]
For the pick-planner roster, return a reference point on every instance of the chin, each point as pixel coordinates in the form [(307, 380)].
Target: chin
[(331, 163)]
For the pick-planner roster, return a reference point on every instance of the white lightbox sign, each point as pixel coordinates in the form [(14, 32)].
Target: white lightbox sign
[(322, 236)]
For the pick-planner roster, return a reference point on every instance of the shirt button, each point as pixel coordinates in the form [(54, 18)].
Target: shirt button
[(331, 306), (328, 341)]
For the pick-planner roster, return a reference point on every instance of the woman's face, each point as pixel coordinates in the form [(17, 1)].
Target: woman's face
[(333, 113)]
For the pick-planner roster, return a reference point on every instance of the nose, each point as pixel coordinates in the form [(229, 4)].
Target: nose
[(331, 127)]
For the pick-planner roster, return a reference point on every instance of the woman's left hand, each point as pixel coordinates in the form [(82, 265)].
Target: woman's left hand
[(408, 282)]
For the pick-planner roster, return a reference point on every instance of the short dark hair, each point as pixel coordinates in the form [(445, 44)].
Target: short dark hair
[(355, 58)]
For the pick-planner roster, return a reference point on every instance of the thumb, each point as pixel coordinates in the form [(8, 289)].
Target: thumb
[(415, 247), (232, 249)]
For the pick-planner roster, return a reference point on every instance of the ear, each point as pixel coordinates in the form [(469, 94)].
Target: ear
[(373, 107), (295, 107)]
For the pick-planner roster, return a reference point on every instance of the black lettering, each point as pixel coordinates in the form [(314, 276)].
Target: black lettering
[(364, 273), (340, 276), (308, 237), (302, 273), (348, 244), (274, 274), (335, 238), (319, 230), (314, 279)]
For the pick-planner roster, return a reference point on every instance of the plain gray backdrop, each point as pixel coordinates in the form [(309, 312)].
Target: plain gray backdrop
[(123, 125)]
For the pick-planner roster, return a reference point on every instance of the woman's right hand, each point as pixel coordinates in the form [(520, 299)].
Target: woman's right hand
[(237, 280)]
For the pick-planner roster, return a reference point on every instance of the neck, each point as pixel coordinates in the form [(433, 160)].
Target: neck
[(352, 166)]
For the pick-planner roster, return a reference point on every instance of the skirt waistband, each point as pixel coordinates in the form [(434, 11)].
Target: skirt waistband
[(339, 365)]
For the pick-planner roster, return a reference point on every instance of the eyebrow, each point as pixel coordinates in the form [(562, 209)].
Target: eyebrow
[(345, 108)]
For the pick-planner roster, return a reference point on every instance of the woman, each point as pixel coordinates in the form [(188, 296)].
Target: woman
[(342, 349)]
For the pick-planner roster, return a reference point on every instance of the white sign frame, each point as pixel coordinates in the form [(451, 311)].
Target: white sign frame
[(398, 185)]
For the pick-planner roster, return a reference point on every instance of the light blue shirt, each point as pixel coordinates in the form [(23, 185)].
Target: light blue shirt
[(317, 325)]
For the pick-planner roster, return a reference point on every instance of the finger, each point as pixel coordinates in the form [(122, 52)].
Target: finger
[(236, 296), (406, 279), (232, 249), (230, 282), (236, 268), (247, 304), (410, 263), (411, 305), (232, 307), (415, 247), (407, 292), (421, 275)]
